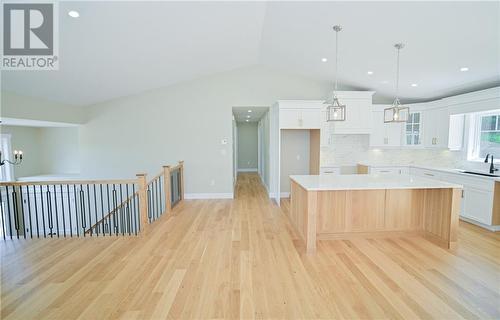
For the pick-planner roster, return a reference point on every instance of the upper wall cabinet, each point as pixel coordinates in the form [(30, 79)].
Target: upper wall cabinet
[(358, 113), (300, 114), (385, 135), (436, 128)]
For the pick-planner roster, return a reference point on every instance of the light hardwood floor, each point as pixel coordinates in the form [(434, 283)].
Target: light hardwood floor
[(241, 259)]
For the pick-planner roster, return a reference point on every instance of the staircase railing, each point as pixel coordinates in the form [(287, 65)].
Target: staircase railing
[(81, 208)]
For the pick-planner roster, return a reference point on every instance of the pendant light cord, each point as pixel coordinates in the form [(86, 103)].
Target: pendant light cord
[(397, 75), (336, 58)]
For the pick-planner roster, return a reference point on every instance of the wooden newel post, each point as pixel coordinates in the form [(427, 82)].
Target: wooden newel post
[(143, 199), (181, 174), (166, 187)]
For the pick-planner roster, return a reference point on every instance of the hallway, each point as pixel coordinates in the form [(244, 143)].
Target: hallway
[(240, 258)]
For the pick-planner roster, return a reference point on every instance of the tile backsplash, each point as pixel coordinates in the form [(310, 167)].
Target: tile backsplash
[(348, 150)]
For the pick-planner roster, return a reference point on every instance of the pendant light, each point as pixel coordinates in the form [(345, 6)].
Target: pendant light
[(335, 110), (397, 112)]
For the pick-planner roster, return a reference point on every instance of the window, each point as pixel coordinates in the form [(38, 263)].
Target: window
[(413, 126), (485, 132)]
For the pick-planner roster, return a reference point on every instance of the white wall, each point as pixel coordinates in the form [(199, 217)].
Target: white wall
[(264, 122), (59, 150), (46, 150), (25, 139), (247, 146), (294, 156), (23, 107), (183, 122)]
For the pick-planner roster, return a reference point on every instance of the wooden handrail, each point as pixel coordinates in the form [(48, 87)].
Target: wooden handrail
[(112, 211), (70, 182)]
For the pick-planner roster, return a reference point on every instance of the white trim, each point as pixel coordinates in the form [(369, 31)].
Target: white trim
[(482, 225), (192, 196), (285, 194), (247, 170)]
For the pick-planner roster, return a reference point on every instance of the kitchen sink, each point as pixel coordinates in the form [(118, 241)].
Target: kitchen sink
[(481, 174)]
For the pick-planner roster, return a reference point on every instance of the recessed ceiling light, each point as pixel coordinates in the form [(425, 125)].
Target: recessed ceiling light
[(249, 110), (73, 14), (247, 120), (369, 73), (324, 59), (248, 116), (414, 85), (463, 69)]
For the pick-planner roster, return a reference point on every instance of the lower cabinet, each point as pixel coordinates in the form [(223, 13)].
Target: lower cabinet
[(477, 205), (477, 194), (386, 170), (329, 170)]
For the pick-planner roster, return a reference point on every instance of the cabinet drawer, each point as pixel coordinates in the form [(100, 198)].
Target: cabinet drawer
[(329, 170), (385, 170), (431, 174)]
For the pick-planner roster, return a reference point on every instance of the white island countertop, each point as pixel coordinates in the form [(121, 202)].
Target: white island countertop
[(368, 182)]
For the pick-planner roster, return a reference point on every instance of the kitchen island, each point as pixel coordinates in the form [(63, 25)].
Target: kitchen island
[(326, 207)]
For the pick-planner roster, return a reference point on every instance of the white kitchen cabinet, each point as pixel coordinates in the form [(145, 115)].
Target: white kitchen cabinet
[(435, 128), (478, 205), (385, 135), (325, 131), (386, 169), (300, 118), (329, 171), (358, 113), (456, 132)]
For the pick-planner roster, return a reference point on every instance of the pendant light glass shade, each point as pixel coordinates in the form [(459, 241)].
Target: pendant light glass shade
[(335, 110), (397, 112)]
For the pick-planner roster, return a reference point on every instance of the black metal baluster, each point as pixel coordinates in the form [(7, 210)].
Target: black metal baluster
[(69, 212), (2, 208), (102, 212), (90, 210), (22, 210), (115, 205), (95, 208), (29, 210), (43, 213), (109, 211), (172, 189), (82, 208), (55, 205), (162, 194), (76, 211), (15, 209), (128, 209), (62, 210), (135, 213), (122, 214), (8, 211), (156, 199), (149, 204), (36, 213), (49, 211)]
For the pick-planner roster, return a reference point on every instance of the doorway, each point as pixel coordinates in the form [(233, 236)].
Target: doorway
[(251, 142)]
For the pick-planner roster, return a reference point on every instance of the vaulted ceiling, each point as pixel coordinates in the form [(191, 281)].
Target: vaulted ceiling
[(116, 49)]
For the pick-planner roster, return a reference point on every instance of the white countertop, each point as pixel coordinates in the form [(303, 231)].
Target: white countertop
[(448, 170), (368, 182)]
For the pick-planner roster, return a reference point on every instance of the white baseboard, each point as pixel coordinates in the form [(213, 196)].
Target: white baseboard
[(248, 170), (482, 225), (285, 194), (192, 196)]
